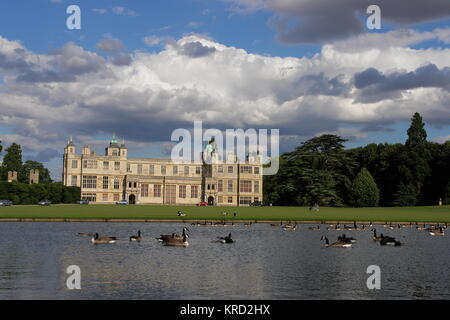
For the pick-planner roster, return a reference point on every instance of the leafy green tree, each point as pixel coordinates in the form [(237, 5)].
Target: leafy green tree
[(406, 195), (321, 168), (364, 191), (416, 132), (12, 161)]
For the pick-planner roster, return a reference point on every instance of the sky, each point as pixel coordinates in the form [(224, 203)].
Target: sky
[(141, 69)]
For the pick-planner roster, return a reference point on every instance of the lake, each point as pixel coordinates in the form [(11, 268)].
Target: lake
[(265, 262)]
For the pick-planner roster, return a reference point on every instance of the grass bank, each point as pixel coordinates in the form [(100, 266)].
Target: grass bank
[(80, 212)]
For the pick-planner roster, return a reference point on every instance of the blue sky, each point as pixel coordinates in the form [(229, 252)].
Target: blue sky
[(295, 74)]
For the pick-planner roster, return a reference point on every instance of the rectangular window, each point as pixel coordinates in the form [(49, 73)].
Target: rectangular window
[(116, 197), (105, 165), (139, 169), (117, 165), (230, 199), (151, 169), (198, 170), (105, 183), (105, 197), (220, 169), (230, 186), (256, 170), (230, 169), (245, 200), (116, 184), (74, 181), (246, 169), (256, 186), (91, 197), (245, 186), (220, 185), (89, 182), (90, 164), (175, 170), (157, 191), (144, 190), (74, 164), (220, 199), (163, 170), (186, 170), (128, 167), (182, 192), (194, 192)]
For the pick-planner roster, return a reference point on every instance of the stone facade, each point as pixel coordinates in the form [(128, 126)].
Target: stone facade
[(114, 176), (12, 176), (34, 176)]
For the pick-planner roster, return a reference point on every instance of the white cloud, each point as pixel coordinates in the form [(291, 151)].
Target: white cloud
[(147, 95)]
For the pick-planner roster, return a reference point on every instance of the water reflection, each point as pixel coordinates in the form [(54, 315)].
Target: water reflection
[(264, 263)]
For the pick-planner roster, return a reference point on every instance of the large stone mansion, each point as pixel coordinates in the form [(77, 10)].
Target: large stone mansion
[(112, 177)]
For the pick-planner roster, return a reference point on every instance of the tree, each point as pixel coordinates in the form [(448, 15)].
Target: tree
[(12, 161), (364, 191), (406, 195), (321, 168), (416, 132)]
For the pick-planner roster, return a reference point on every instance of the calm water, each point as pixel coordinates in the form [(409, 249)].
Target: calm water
[(264, 263)]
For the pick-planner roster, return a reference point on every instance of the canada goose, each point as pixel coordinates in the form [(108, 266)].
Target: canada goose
[(276, 224), (176, 241), (389, 241), (167, 237), (97, 240), (226, 239), (181, 214), (375, 238), (335, 227), (85, 234), (289, 227), (338, 244), (421, 228), (346, 239), (438, 232), (137, 238)]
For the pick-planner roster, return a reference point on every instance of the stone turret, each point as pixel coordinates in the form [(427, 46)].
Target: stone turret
[(12, 176), (34, 176)]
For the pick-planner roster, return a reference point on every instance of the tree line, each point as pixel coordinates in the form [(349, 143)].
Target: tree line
[(321, 171), (20, 192)]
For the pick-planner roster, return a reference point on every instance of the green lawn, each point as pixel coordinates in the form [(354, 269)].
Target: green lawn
[(404, 214)]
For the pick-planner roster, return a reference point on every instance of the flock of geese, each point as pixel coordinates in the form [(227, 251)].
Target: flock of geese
[(176, 240)]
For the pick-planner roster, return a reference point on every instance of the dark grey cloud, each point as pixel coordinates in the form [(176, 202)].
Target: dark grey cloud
[(312, 84), (375, 86), (316, 21), (17, 64), (45, 76), (45, 155), (122, 59), (110, 45), (196, 49)]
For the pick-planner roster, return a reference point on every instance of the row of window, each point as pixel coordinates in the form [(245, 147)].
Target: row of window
[(92, 197), (244, 186), (90, 182), (93, 164), (242, 200), (242, 169), (157, 188)]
